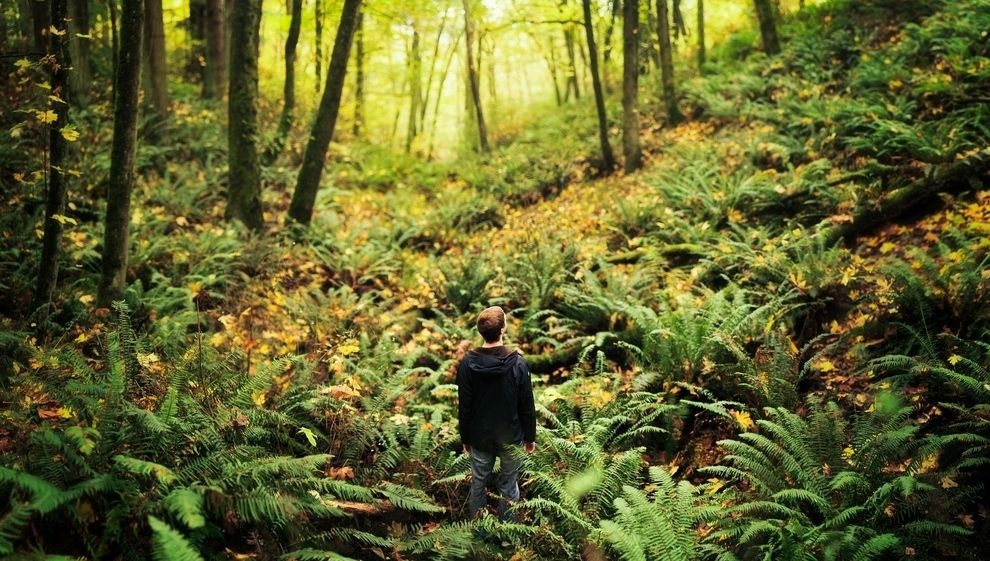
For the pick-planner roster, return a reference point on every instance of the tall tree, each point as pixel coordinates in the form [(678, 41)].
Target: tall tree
[(768, 26), (41, 16), (244, 175), (571, 83), (415, 77), (288, 87), (127, 84), (154, 48), (668, 91), (196, 28), (474, 90), (608, 159), (318, 51), (631, 150), (79, 42), (359, 76), (59, 63), (215, 53), (308, 182), (701, 33)]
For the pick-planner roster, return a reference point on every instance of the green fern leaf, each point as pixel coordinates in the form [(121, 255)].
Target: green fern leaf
[(170, 545)]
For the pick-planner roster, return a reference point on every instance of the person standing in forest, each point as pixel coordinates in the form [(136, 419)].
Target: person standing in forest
[(496, 413)]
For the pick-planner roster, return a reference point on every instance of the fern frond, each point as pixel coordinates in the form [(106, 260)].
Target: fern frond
[(314, 555), (405, 498), (170, 545)]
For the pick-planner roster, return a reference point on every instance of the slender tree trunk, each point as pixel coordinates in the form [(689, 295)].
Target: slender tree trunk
[(55, 197), (572, 74), (680, 29), (768, 27), (308, 183), (472, 71), (197, 27), (289, 86), (631, 149), (359, 77), (701, 34), (127, 85), (79, 44), (615, 11), (25, 25), (428, 90), (244, 183), (451, 51), (41, 16), (215, 72), (415, 71), (608, 159), (667, 64), (318, 20), (114, 40), (154, 43)]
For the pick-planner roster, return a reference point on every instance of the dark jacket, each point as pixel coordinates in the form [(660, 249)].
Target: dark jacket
[(495, 399)]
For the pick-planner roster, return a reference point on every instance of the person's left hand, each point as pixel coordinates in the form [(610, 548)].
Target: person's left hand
[(467, 448)]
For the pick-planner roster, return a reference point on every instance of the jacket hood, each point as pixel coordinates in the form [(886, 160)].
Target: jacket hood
[(491, 361)]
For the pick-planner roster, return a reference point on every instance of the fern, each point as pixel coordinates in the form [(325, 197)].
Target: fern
[(170, 545)]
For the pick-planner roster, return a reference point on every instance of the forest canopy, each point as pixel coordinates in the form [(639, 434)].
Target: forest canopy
[(741, 244)]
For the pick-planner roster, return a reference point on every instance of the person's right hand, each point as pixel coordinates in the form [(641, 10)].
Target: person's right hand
[(529, 447)]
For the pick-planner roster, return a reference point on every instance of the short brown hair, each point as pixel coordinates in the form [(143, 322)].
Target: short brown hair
[(491, 321)]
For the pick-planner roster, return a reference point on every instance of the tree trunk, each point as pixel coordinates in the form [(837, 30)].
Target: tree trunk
[(196, 28), (701, 34), (127, 85), (308, 183), (415, 61), (631, 149), (55, 198), (451, 51), (959, 176), (289, 86), (359, 77), (215, 71), (608, 159), (81, 76), (42, 20), (318, 20), (154, 43), (572, 76), (472, 76), (768, 27), (667, 64), (114, 40), (244, 177)]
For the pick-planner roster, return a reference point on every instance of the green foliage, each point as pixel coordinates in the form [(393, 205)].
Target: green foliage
[(660, 525), (814, 493)]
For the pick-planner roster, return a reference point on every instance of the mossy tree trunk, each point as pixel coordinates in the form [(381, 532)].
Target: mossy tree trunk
[(608, 159), (768, 26), (631, 149), (58, 48), (308, 182), (244, 176), (127, 83)]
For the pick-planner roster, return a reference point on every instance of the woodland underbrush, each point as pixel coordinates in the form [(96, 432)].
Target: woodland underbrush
[(733, 357)]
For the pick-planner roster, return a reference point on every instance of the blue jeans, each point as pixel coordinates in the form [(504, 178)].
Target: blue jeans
[(482, 468)]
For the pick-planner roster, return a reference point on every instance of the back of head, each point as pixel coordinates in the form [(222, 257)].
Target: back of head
[(491, 322)]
